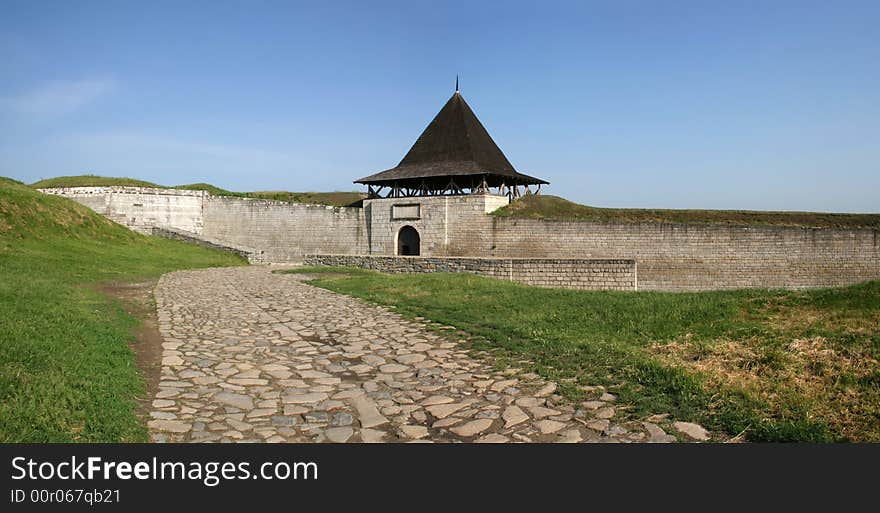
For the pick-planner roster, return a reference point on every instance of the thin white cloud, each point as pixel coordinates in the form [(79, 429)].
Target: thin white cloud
[(59, 98), (137, 143), (164, 159)]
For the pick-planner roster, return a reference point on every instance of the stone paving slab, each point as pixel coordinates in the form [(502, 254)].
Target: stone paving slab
[(252, 356)]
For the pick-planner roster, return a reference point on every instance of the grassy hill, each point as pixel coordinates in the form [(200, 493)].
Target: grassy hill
[(336, 199), (67, 373), (91, 181), (556, 208)]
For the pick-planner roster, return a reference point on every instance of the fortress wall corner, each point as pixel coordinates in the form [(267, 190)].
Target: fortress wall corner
[(141, 208)]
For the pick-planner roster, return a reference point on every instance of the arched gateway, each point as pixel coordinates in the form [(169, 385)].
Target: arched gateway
[(408, 241)]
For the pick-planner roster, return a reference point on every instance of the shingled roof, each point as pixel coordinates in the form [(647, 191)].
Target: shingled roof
[(455, 144)]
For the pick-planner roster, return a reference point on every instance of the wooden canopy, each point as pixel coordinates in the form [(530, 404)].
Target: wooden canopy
[(454, 155)]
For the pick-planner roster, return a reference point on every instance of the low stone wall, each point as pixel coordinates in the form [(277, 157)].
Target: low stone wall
[(253, 256), (568, 273)]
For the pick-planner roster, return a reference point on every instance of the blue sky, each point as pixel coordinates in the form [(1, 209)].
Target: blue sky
[(743, 105)]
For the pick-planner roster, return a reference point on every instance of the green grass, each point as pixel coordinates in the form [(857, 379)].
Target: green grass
[(335, 199), (90, 181), (67, 373), (212, 189), (778, 365), (556, 208)]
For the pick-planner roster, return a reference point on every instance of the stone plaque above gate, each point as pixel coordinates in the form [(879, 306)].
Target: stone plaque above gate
[(410, 211)]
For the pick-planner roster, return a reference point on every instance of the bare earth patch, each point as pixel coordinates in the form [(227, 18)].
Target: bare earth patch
[(137, 299)]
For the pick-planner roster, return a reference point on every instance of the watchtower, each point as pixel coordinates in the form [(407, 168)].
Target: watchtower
[(455, 165)]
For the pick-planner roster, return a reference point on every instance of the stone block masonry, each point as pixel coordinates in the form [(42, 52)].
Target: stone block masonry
[(568, 273), (285, 231), (690, 257), (447, 225)]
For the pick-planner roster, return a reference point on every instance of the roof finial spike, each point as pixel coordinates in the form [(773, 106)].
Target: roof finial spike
[(456, 83)]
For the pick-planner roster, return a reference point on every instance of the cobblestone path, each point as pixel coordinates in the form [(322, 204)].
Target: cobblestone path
[(253, 356)]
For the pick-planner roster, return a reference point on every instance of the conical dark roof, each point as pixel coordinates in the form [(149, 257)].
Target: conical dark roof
[(454, 144)]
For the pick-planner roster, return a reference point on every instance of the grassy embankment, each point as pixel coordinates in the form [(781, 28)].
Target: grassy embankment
[(556, 208), (67, 373), (770, 365), (336, 199)]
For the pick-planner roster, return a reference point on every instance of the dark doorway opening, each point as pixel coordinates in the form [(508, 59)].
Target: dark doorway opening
[(408, 241)]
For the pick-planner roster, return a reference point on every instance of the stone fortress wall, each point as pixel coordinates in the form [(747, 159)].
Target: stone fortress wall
[(285, 231), (702, 257), (141, 208), (669, 256)]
